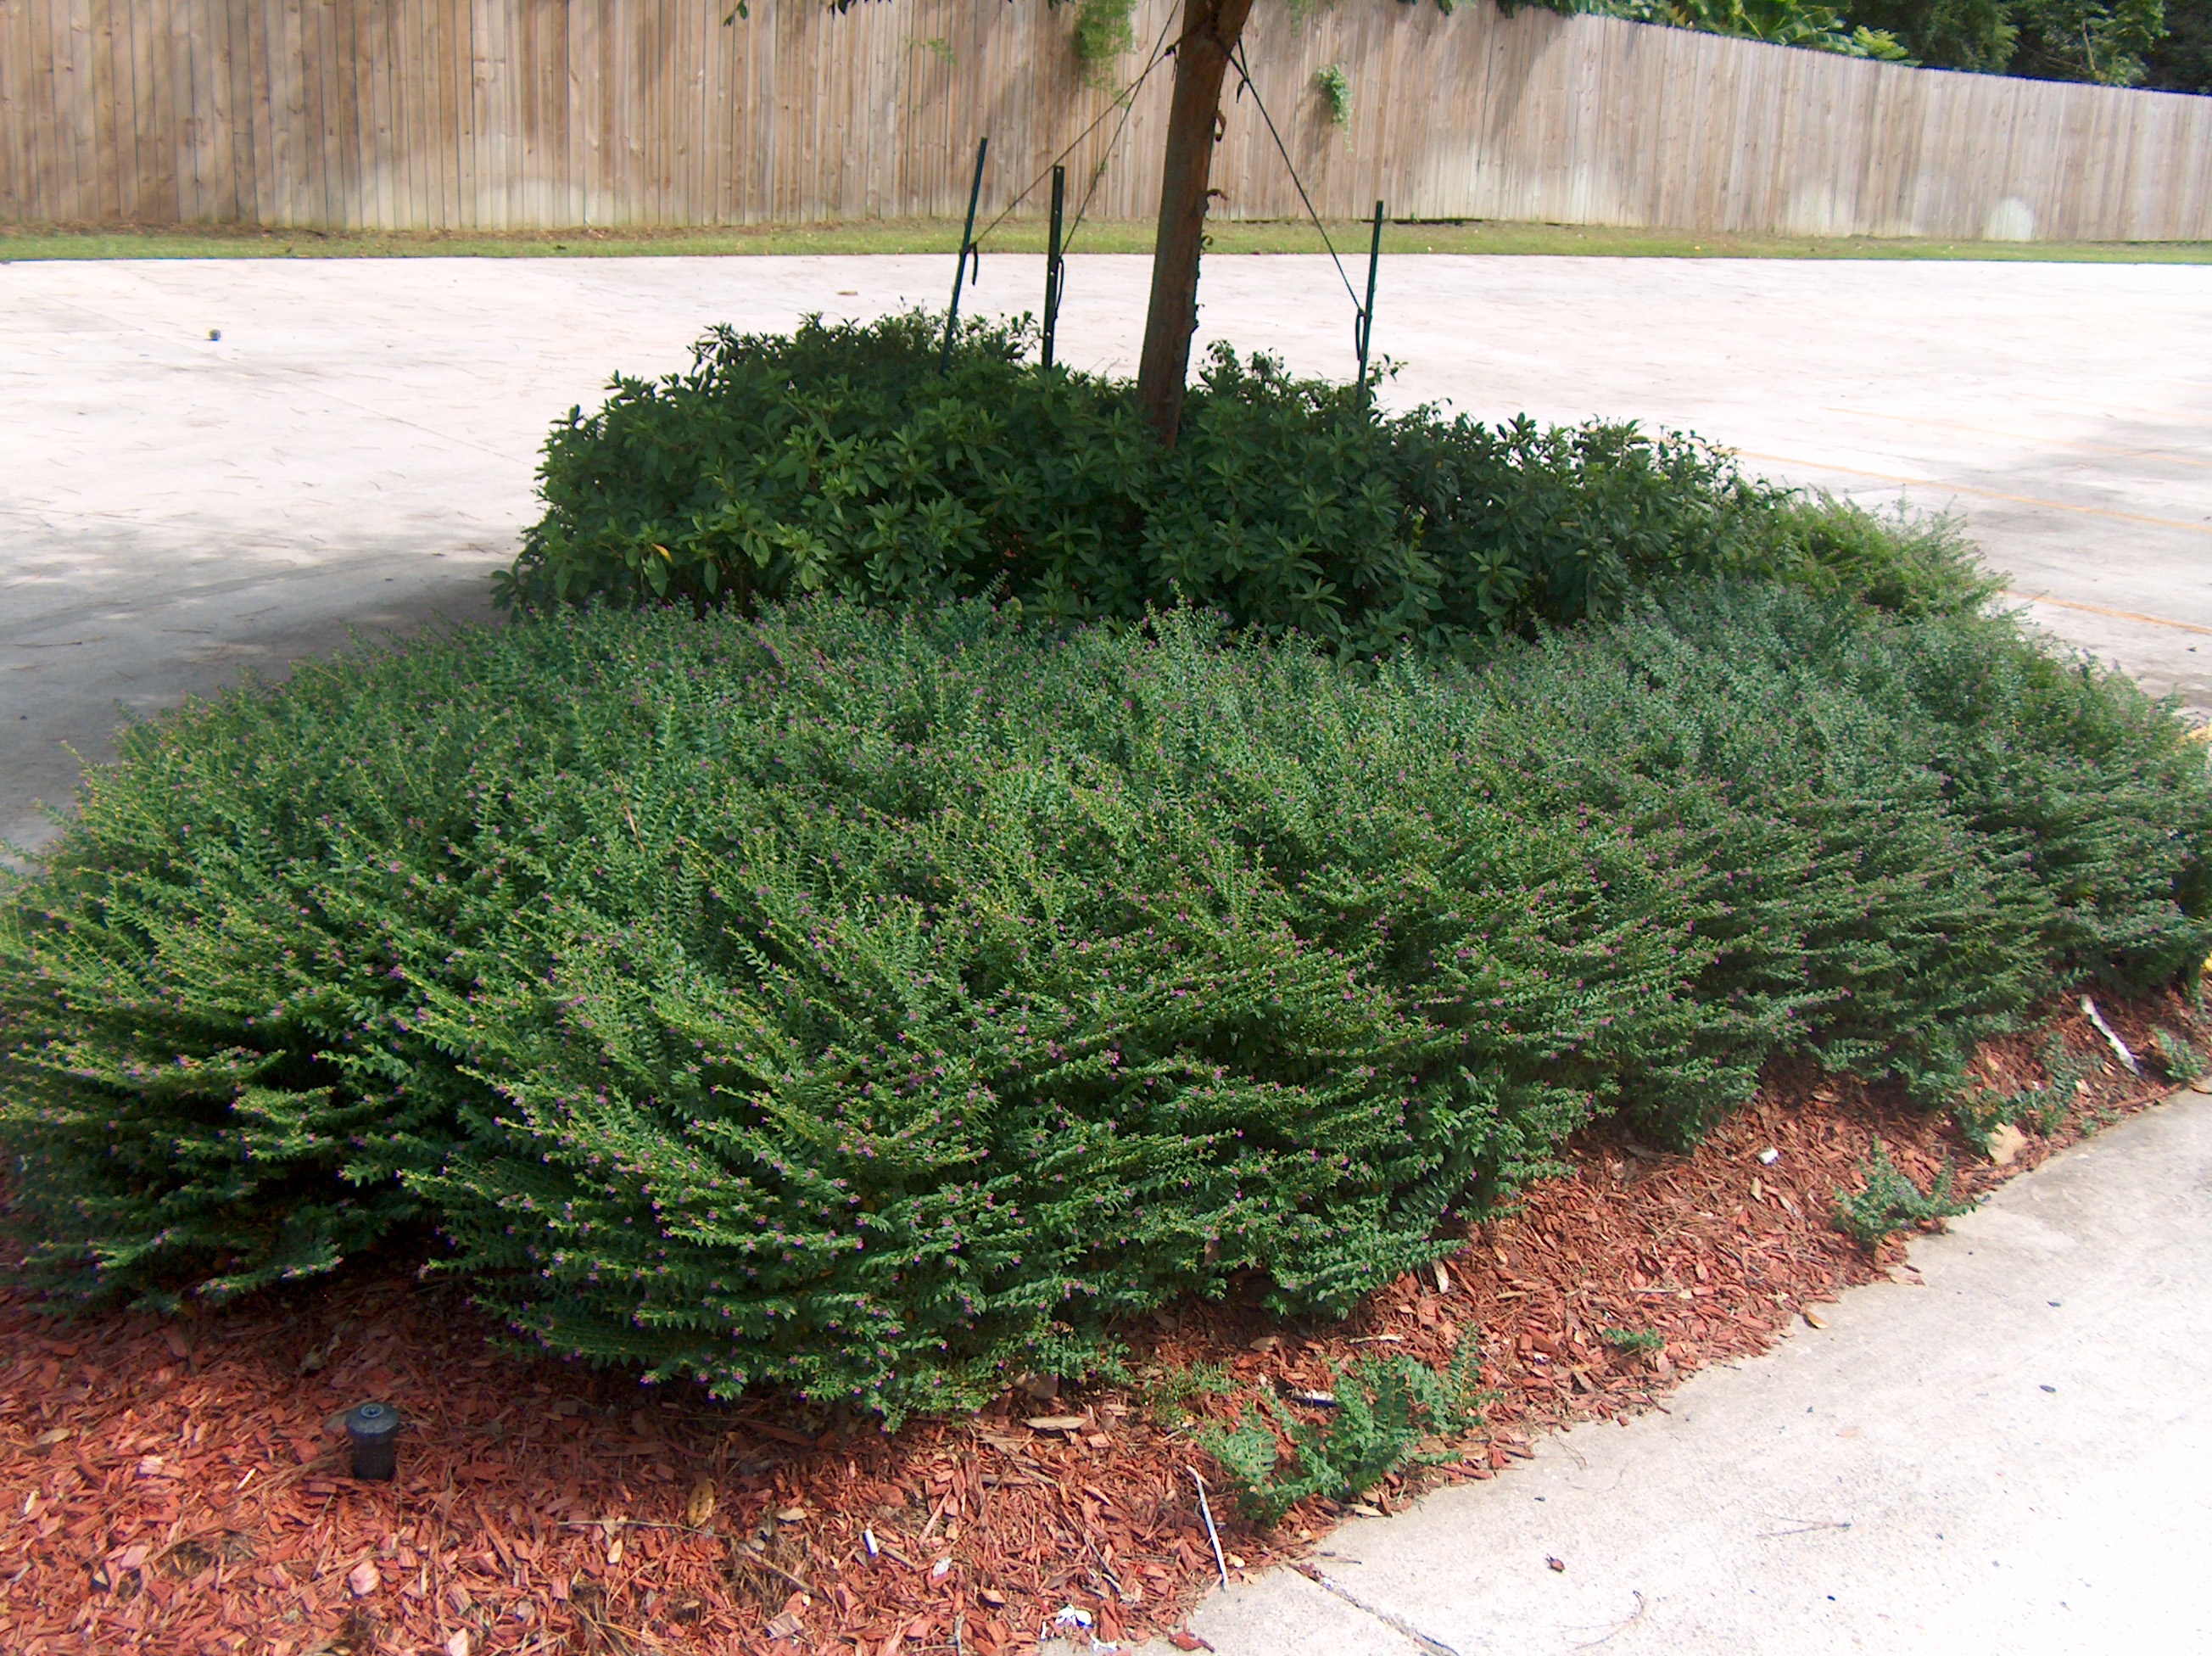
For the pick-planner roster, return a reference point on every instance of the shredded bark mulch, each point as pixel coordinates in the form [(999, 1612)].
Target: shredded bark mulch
[(182, 1485)]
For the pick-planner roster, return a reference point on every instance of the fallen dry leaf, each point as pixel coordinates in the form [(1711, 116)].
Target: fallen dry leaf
[(699, 1505), (1056, 1424), (1559, 1564), (318, 1358), (1813, 1320), (2006, 1142)]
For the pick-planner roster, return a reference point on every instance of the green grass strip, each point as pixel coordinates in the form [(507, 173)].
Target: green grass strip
[(941, 236)]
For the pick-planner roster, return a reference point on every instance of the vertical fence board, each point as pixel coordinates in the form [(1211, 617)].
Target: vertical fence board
[(137, 105), (15, 123)]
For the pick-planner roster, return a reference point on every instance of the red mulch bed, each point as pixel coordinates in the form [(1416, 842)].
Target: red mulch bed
[(180, 1486)]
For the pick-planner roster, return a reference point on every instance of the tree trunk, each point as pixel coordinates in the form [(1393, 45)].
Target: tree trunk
[(1210, 32)]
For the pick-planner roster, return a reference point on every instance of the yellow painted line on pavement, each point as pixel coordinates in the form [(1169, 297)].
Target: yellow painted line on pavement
[(1969, 489), (2098, 609), (2106, 409), (2022, 436)]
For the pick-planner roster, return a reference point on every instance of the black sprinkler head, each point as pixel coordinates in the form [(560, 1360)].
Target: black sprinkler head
[(373, 1429)]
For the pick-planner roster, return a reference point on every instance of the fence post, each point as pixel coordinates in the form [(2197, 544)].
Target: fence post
[(967, 247), (1053, 272)]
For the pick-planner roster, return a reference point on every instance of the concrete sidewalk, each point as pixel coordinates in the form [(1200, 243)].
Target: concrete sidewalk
[(2015, 1457), (356, 449)]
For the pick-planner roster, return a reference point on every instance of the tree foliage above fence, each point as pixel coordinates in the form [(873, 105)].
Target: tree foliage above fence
[(1777, 22), (2108, 42)]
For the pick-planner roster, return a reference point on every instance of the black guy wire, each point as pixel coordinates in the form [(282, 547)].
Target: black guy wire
[(1237, 58), (1125, 100), (1128, 102)]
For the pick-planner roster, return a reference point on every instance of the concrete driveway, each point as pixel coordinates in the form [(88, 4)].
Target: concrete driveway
[(2015, 1456), (355, 450)]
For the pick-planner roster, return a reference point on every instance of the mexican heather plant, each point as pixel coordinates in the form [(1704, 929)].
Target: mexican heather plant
[(864, 1005)]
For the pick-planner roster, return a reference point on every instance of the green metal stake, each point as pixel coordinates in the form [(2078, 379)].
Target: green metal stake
[(967, 250), (1054, 274), (1365, 328)]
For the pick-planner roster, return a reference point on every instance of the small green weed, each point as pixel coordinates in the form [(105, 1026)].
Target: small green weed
[(2048, 1105), (1385, 1406), (2183, 1061), (1983, 1110), (1889, 1201), (1633, 1341), (1168, 1397)]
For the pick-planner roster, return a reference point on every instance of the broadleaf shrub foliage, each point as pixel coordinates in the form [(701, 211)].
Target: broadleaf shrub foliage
[(840, 459), (864, 1004)]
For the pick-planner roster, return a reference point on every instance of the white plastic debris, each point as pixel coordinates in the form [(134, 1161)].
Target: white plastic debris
[(1070, 1616), (1768, 1156), (2105, 1030)]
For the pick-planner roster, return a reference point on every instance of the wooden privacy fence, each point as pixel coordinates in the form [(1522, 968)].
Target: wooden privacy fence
[(499, 114)]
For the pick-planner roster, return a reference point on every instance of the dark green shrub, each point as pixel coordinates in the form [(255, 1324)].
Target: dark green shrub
[(869, 1005), (1912, 567), (840, 459)]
